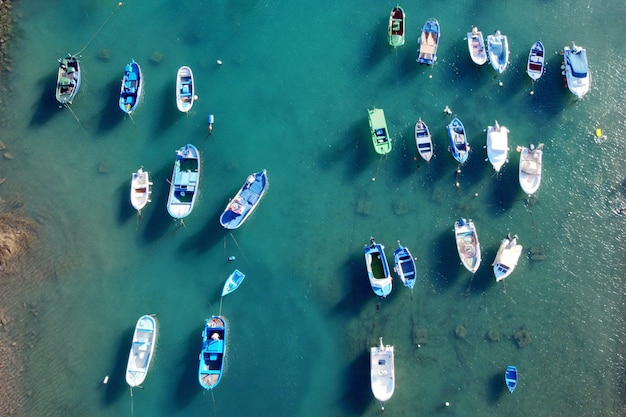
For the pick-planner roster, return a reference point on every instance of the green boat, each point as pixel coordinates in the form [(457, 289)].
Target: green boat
[(378, 129)]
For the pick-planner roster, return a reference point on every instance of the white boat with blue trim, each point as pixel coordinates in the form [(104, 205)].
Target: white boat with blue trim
[(507, 257), (467, 244), (213, 352), (378, 269), (382, 372), (405, 266), (141, 350), (497, 145), (576, 69), (184, 183), (185, 94), (498, 50), (245, 201), (132, 85)]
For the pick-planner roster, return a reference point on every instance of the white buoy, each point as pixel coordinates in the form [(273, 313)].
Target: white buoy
[(219, 62), (500, 84), (447, 404), (373, 178), (106, 380)]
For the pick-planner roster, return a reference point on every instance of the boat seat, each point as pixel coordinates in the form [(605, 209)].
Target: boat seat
[(256, 187), (132, 76)]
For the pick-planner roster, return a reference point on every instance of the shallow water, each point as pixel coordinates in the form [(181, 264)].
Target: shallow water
[(291, 97)]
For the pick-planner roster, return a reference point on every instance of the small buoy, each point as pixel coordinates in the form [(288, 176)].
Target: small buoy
[(373, 178), (447, 404), (447, 110), (231, 258), (598, 133), (106, 380), (475, 194), (211, 120), (532, 92), (119, 4), (430, 76), (457, 185), (195, 97), (500, 84), (219, 62)]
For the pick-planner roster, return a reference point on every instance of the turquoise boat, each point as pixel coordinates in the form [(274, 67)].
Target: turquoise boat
[(213, 352), (130, 91), (68, 79), (405, 266), (510, 377), (428, 42), (184, 183), (378, 269), (245, 201), (379, 132), (459, 148), (232, 283)]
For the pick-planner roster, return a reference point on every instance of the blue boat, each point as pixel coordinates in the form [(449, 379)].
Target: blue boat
[(510, 376), (458, 141), (185, 181), (233, 282), (428, 42), (130, 91), (405, 266), (378, 269), (213, 352), (498, 50), (245, 201)]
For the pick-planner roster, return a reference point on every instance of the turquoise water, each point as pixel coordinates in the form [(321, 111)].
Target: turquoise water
[(291, 97)]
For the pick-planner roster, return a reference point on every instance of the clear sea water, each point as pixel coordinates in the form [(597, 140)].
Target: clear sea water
[(291, 97)]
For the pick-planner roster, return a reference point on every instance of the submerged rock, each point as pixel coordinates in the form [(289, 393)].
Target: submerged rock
[(420, 336), (16, 235), (493, 335), (522, 337), (460, 332)]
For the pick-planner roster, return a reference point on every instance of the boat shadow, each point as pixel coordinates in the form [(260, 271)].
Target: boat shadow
[(126, 210), (117, 386), (169, 114), (358, 395), (355, 150), (496, 387), (110, 115), (187, 388), (357, 291), (47, 106), (448, 266), (205, 239), (378, 47), (501, 198), (158, 221)]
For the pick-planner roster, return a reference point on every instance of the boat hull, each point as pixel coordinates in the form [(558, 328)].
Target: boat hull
[(131, 88), (184, 183), (530, 169), (497, 145), (498, 51), (510, 378), (140, 189), (232, 283), (467, 244), (185, 94), (459, 147), (213, 353), (405, 266), (378, 269), (378, 131), (476, 46), (576, 70), (536, 59), (396, 27), (429, 42), (245, 201), (382, 371), (68, 79), (423, 140), (141, 350), (506, 259)]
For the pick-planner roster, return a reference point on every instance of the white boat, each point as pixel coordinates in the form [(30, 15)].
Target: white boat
[(378, 273), (576, 70), (423, 140), (467, 244), (185, 182), (497, 145), (140, 189), (382, 373), (536, 59), (476, 46), (141, 350), (498, 48), (506, 258), (185, 94), (530, 168)]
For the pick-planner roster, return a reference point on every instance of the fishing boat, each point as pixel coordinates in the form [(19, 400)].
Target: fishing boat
[(405, 266), (497, 145), (382, 372), (140, 189), (184, 183), (576, 70), (68, 79), (130, 91), (141, 350), (378, 130), (245, 201), (423, 140), (378, 269), (467, 244), (498, 50), (510, 377), (506, 258), (185, 94), (530, 168), (459, 147), (232, 283), (476, 46), (213, 352), (428, 42), (536, 60), (396, 27)]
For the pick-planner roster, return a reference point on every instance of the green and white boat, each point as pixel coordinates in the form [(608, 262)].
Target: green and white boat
[(379, 132), (68, 79)]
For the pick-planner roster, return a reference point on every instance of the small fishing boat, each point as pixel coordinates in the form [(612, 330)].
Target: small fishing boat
[(68, 79), (510, 377), (140, 189), (185, 94), (467, 244), (396, 27), (506, 258), (378, 131), (245, 201), (476, 46), (576, 70), (185, 182), (530, 168), (130, 91), (378, 269), (536, 60), (141, 350), (498, 49), (428, 42), (382, 372), (497, 145), (459, 147), (405, 266), (213, 352), (232, 283), (423, 140)]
